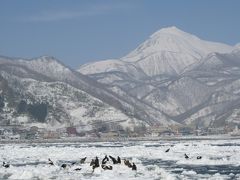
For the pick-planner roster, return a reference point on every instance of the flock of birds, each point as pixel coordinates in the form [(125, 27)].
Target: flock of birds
[(104, 164), (96, 164)]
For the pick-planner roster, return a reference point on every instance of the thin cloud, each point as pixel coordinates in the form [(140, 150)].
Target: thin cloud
[(49, 16)]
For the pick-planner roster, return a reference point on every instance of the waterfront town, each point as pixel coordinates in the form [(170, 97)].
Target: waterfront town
[(18, 132)]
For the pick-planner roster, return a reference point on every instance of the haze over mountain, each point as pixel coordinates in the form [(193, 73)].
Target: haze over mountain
[(172, 79)]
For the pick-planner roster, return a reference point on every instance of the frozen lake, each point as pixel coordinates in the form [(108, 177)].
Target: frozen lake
[(220, 160)]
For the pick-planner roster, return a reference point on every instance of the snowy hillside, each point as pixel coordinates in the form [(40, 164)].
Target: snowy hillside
[(64, 97), (66, 105)]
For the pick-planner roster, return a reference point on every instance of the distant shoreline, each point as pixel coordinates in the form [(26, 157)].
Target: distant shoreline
[(92, 140)]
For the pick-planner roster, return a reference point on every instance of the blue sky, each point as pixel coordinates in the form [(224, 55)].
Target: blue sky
[(81, 31)]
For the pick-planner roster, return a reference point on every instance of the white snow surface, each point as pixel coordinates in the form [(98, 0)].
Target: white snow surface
[(220, 160)]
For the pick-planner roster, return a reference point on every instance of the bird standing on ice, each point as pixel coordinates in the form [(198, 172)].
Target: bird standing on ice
[(134, 167), (83, 160), (6, 165), (118, 160), (50, 162), (199, 157), (105, 159)]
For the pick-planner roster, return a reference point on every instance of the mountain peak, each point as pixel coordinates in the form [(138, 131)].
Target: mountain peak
[(172, 30)]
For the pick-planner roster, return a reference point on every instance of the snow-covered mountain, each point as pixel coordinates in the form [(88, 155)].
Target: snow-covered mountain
[(168, 51), (49, 93), (192, 81)]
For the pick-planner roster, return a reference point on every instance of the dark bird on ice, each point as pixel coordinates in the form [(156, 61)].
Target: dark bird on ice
[(50, 162), (77, 169), (127, 163), (92, 162), (83, 160), (105, 159), (186, 156), (134, 167), (105, 167), (95, 163), (118, 160), (113, 160), (6, 165), (199, 157), (64, 166)]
